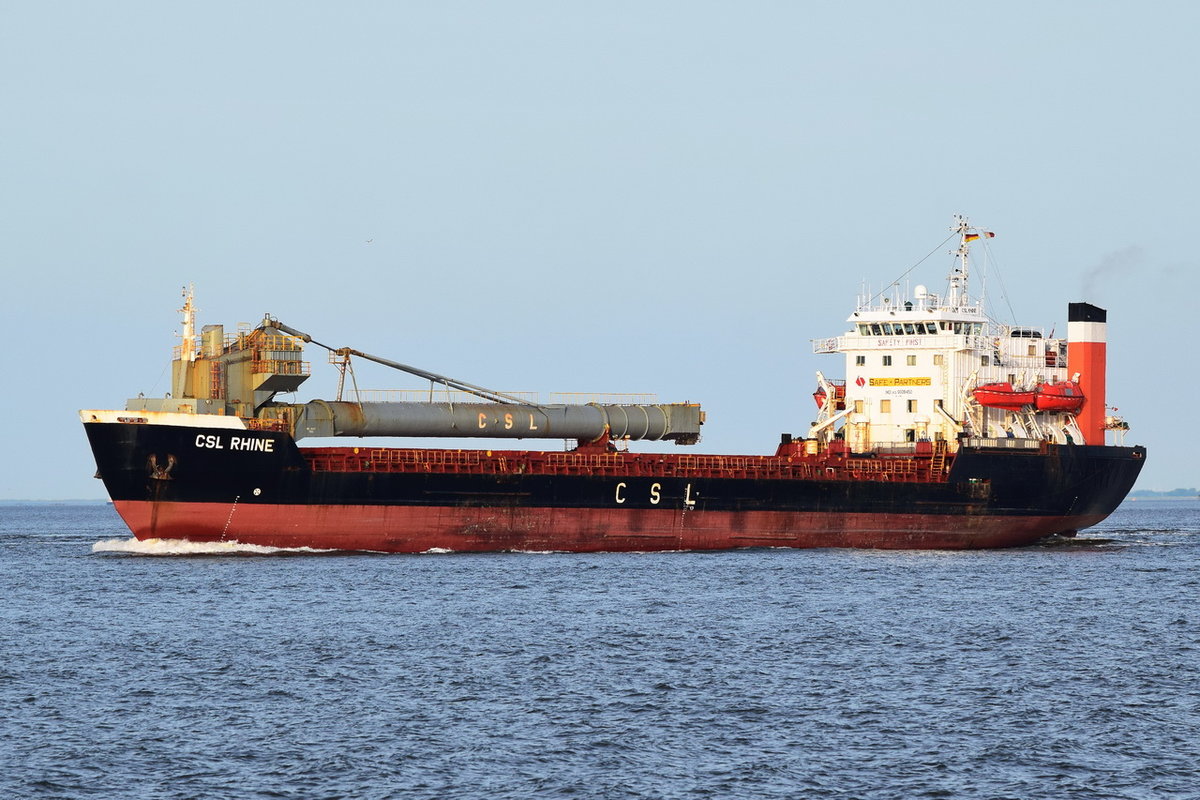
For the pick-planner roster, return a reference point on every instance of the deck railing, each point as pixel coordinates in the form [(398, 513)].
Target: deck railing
[(1002, 442), (624, 465), (941, 341)]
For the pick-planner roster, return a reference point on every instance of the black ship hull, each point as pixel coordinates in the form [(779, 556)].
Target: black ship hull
[(258, 487)]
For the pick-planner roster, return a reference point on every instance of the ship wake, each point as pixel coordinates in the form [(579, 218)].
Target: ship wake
[(183, 547)]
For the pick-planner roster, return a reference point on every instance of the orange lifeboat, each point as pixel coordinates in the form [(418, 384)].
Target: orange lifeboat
[(1062, 396), (839, 396), (1003, 395)]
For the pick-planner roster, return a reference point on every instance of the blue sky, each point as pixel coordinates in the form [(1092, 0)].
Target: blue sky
[(645, 197)]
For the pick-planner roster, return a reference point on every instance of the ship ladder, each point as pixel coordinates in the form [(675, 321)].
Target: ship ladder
[(214, 381), (937, 462)]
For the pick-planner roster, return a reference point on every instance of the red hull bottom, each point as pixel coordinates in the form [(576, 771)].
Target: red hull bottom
[(414, 529)]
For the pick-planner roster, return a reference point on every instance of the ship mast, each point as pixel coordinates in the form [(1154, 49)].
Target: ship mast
[(187, 347), (959, 292)]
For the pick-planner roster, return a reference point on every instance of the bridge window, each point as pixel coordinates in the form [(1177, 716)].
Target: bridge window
[(885, 406), (887, 361), (860, 361), (939, 360), (911, 360)]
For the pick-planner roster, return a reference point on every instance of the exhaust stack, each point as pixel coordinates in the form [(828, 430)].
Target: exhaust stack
[(1087, 355)]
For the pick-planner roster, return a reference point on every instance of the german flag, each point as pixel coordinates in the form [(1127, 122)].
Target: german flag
[(973, 236)]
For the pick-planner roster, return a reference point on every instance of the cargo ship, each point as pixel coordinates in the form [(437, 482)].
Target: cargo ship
[(948, 430)]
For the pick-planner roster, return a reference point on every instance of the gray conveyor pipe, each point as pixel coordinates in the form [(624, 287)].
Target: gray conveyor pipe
[(678, 422)]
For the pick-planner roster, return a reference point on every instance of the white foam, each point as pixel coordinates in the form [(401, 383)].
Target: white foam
[(436, 551), (183, 547)]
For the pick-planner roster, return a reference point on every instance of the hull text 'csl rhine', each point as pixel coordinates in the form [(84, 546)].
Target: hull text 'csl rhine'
[(949, 430)]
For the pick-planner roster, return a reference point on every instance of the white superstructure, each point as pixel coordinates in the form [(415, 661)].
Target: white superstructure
[(914, 360)]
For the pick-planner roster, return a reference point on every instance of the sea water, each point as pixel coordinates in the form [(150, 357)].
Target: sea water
[(1064, 670)]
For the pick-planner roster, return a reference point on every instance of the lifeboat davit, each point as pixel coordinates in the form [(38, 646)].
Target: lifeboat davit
[(839, 396), (1003, 395), (1062, 396)]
